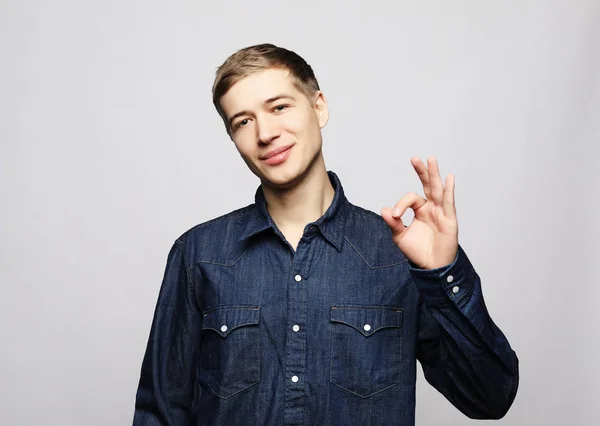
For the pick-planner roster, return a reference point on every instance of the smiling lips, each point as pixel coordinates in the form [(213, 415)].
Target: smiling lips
[(277, 156)]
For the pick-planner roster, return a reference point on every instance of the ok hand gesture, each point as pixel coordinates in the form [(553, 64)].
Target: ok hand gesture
[(431, 240)]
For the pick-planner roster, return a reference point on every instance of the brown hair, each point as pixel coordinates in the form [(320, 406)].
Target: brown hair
[(260, 57)]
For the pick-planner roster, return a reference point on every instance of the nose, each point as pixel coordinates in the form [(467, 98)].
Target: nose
[(267, 129)]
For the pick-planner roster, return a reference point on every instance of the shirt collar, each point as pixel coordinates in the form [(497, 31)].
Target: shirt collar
[(331, 224)]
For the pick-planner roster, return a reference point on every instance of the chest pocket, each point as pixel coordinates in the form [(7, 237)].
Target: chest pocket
[(366, 348), (231, 352)]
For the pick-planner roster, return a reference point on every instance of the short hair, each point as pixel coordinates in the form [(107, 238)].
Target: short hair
[(257, 58)]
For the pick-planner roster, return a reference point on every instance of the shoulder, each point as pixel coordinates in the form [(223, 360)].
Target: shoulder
[(217, 224), (217, 238)]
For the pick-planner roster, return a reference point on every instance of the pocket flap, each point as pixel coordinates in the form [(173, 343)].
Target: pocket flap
[(367, 319), (225, 319)]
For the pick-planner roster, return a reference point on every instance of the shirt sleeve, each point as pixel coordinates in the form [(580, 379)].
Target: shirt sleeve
[(464, 355), (167, 385)]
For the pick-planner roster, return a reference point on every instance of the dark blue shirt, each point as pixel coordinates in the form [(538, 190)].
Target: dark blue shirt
[(248, 331)]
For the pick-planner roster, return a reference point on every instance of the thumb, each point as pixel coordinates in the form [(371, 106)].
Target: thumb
[(395, 223)]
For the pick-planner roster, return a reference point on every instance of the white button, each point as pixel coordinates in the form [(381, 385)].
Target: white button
[(450, 278), (223, 328), (298, 278), (367, 327), (296, 328), (294, 379), (455, 289)]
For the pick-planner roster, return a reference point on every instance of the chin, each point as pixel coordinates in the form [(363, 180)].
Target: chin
[(281, 177)]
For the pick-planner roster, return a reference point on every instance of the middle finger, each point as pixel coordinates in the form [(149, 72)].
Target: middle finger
[(435, 181)]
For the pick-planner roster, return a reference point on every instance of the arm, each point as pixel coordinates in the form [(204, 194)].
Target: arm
[(167, 383), (464, 355)]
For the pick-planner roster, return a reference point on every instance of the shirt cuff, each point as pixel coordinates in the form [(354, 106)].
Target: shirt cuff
[(447, 284)]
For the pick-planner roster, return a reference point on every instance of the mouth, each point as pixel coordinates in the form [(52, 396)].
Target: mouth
[(276, 151), (278, 155)]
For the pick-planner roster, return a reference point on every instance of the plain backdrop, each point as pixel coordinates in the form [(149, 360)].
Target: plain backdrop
[(110, 149)]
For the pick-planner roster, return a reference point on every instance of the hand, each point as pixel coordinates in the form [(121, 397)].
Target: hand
[(431, 240)]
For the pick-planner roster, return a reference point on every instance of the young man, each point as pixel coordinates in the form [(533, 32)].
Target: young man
[(304, 309)]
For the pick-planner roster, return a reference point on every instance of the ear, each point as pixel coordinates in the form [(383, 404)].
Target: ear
[(321, 109)]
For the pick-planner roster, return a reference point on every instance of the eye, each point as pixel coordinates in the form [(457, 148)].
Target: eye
[(240, 123), (280, 107)]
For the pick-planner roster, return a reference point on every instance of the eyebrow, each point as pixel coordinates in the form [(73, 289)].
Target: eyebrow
[(266, 102)]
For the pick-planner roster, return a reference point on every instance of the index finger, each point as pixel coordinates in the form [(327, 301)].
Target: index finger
[(421, 170)]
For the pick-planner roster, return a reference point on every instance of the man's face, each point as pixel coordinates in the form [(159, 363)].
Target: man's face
[(266, 114)]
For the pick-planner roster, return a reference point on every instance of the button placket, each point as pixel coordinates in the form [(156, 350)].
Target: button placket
[(295, 347)]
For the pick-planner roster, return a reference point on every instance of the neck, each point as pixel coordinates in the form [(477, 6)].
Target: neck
[(302, 203)]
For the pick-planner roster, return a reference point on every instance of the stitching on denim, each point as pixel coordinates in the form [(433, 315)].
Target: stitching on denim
[(225, 264), (229, 307), (362, 331), (331, 332), (231, 394), (229, 330), (372, 307), (212, 388), (461, 300), (331, 336), (364, 396), (367, 263), (189, 284), (378, 307)]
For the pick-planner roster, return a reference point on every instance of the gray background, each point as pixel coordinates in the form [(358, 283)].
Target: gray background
[(110, 149)]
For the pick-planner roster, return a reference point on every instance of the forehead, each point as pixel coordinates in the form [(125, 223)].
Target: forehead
[(252, 90)]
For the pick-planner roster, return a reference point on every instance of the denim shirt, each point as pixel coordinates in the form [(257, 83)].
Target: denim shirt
[(248, 331)]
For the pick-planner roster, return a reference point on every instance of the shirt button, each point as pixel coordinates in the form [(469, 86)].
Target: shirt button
[(295, 379), (455, 289), (450, 278), (296, 328), (223, 328), (298, 278), (367, 327)]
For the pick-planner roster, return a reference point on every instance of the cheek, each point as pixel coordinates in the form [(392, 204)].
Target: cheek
[(313, 129), (304, 123), (245, 139)]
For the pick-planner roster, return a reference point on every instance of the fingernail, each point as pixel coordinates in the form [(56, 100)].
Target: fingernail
[(396, 212)]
